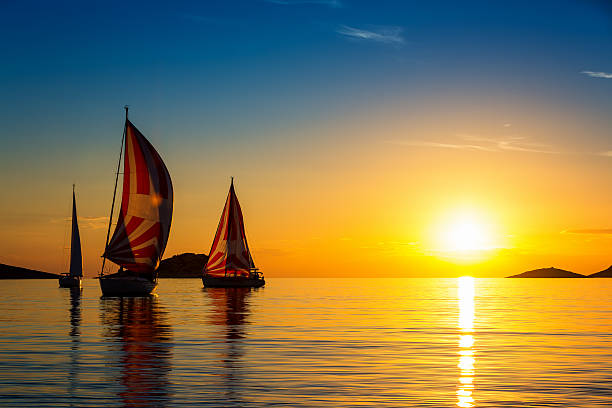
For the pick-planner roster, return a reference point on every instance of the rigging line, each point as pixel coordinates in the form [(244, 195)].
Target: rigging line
[(110, 219)]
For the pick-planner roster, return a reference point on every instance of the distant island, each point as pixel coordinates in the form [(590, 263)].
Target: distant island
[(548, 273), (15, 272), (188, 265), (561, 273), (606, 273)]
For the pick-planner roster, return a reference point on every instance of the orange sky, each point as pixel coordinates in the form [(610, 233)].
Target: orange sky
[(349, 197)]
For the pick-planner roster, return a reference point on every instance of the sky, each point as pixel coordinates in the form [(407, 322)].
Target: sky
[(388, 138)]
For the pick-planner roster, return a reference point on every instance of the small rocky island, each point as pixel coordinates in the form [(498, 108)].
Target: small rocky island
[(548, 273), (15, 272), (187, 265), (606, 273)]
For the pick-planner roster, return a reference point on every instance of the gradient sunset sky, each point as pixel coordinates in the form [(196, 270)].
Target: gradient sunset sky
[(360, 133)]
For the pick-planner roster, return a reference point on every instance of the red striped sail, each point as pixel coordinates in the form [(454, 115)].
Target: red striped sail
[(230, 255), (143, 225)]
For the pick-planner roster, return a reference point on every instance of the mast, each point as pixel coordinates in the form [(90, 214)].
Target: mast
[(110, 219)]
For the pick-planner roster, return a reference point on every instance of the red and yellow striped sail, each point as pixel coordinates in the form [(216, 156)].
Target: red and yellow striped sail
[(230, 255), (143, 225)]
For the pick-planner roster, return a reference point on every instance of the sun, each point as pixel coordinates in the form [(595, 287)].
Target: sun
[(465, 232)]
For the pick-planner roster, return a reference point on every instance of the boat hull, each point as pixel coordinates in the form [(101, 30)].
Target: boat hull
[(232, 282), (67, 281), (120, 286)]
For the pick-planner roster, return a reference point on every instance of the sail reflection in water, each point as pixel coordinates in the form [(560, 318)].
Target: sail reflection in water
[(75, 333), (138, 334), (465, 391), (230, 311)]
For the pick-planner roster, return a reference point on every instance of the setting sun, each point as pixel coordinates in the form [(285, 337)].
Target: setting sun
[(464, 233)]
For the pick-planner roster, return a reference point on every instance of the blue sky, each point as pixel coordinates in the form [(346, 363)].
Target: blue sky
[(297, 59)]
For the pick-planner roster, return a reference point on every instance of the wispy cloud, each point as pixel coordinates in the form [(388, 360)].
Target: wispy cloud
[(94, 222), (85, 222), (328, 3), (484, 144), (594, 74), (394, 247), (387, 35), (588, 231)]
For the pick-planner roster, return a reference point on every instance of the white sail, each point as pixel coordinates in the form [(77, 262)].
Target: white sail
[(76, 260)]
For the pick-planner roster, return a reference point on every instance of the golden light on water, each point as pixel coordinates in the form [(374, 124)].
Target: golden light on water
[(466, 304), (466, 341), (465, 294)]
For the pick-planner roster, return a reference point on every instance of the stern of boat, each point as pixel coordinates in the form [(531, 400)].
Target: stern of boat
[(67, 281)]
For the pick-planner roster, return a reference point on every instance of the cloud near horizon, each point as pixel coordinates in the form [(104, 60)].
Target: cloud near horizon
[(592, 231), (85, 222), (594, 74), (386, 35)]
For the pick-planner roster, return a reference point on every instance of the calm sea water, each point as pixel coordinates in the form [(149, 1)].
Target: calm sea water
[(310, 343)]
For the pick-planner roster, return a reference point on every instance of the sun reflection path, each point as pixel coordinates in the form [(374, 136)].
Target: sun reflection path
[(465, 390)]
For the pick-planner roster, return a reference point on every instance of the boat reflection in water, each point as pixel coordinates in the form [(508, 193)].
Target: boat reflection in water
[(230, 311), (465, 391), (75, 341), (75, 317), (141, 334)]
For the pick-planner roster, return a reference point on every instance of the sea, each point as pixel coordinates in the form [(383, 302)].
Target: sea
[(464, 342)]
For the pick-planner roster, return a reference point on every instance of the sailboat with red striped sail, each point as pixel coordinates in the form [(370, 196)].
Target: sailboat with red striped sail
[(143, 223), (230, 264)]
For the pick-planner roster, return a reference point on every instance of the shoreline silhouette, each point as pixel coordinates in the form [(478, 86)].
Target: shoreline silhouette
[(190, 265)]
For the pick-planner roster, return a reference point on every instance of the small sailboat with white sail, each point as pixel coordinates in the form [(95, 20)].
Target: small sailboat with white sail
[(143, 223), (230, 264), (72, 279)]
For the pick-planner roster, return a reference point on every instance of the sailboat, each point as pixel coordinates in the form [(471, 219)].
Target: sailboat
[(144, 219), (72, 279), (230, 264)]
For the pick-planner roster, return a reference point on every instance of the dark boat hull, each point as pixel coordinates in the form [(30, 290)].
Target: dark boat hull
[(232, 282), (119, 286), (67, 281)]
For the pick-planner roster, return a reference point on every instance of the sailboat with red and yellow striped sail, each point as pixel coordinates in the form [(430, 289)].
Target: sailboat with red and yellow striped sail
[(144, 219), (230, 264)]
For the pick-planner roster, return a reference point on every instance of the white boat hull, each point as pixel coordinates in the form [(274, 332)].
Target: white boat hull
[(126, 286)]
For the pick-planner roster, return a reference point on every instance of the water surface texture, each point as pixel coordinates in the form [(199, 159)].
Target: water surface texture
[(310, 343)]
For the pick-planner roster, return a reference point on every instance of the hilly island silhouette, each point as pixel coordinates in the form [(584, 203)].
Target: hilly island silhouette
[(191, 265)]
